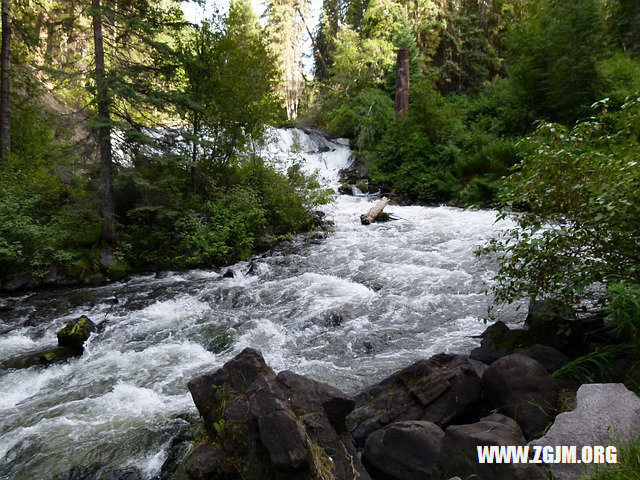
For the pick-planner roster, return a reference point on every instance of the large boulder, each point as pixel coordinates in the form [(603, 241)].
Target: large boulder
[(268, 426), (435, 390), (405, 451), (76, 332), (460, 451), (606, 414), (522, 389), (550, 358)]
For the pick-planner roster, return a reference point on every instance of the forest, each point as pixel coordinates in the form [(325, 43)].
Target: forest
[(128, 132), (133, 151)]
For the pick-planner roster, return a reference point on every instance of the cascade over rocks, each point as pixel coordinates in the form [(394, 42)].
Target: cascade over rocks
[(460, 456), (436, 390), (606, 414), (405, 451), (263, 425), (522, 389)]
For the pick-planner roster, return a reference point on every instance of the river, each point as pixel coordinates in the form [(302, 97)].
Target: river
[(348, 310)]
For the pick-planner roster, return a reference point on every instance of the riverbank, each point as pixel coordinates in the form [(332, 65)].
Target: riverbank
[(425, 421)]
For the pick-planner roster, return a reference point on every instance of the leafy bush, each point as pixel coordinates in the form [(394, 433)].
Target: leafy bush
[(580, 189), (46, 217), (621, 76), (365, 118)]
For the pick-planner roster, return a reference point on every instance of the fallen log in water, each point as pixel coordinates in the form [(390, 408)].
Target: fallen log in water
[(371, 215)]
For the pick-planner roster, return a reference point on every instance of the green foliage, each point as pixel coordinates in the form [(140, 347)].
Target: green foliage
[(623, 308), (46, 217), (621, 76), (589, 367), (554, 57), (580, 189), (627, 468), (366, 117)]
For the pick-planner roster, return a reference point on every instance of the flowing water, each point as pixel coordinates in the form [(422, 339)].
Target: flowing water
[(348, 310)]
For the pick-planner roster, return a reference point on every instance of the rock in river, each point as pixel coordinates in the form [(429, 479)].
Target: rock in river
[(76, 332), (263, 425)]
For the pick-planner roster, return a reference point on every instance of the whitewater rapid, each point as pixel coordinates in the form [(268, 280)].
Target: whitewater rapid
[(348, 310)]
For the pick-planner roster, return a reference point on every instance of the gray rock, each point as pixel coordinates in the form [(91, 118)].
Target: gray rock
[(547, 311), (405, 451), (284, 438), (522, 389), (44, 357), (460, 453), (606, 414), (435, 390), (498, 341)]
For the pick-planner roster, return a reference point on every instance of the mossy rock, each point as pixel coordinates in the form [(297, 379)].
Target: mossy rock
[(58, 355), (363, 187), (47, 357), (76, 332)]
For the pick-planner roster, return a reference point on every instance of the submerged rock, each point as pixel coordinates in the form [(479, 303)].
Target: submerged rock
[(435, 390), (76, 332), (522, 389), (606, 414), (44, 357), (268, 426)]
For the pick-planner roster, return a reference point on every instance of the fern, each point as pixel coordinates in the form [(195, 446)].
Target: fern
[(587, 367)]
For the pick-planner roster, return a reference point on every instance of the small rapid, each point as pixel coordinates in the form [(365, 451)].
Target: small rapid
[(348, 310)]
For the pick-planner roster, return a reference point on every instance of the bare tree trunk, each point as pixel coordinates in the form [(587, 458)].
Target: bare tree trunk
[(371, 215), (402, 83), (5, 82), (108, 234)]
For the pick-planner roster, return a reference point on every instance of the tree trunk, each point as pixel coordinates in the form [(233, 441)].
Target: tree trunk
[(108, 234), (402, 83), (5, 82), (370, 217)]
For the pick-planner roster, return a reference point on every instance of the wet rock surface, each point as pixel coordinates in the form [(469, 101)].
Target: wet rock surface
[(76, 332)]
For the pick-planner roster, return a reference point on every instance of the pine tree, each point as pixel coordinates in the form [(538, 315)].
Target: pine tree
[(286, 31), (5, 82)]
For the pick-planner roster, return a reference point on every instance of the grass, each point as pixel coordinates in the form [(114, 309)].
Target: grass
[(628, 467)]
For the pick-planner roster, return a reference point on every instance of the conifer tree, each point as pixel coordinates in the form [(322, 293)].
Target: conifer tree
[(286, 31)]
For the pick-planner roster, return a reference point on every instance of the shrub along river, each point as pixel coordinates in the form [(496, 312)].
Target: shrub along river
[(347, 310)]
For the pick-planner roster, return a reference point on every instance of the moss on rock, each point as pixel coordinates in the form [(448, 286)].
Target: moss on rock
[(76, 332)]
